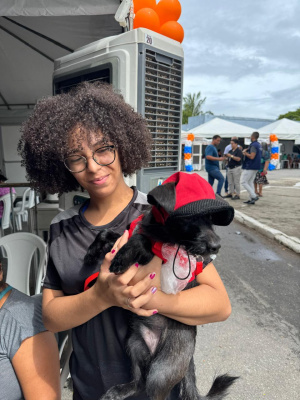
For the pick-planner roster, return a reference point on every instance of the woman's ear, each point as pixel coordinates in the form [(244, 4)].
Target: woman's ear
[(163, 196)]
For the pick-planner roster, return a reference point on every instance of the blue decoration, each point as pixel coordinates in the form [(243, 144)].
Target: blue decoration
[(187, 149), (189, 168), (275, 150), (271, 167)]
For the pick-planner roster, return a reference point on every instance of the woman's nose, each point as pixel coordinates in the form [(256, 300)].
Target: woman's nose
[(91, 164)]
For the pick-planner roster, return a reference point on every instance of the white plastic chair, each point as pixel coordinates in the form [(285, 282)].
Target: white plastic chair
[(65, 351), (20, 210), (20, 248), (5, 220), (22, 207)]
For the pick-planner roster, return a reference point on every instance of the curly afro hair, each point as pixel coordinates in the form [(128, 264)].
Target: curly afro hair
[(92, 109)]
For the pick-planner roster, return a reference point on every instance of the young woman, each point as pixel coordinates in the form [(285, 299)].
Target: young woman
[(90, 138), (29, 361)]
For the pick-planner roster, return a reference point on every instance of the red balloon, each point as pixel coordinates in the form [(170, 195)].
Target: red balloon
[(139, 4), (146, 18), (168, 10), (173, 30)]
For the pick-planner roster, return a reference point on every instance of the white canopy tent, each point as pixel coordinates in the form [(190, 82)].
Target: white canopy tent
[(284, 129), (221, 127), (33, 33)]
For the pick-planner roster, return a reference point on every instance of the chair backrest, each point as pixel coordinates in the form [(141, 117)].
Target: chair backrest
[(31, 198), (5, 220), (20, 248), (24, 199)]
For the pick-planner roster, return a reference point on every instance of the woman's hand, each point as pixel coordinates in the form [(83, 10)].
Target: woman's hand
[(131, 290)]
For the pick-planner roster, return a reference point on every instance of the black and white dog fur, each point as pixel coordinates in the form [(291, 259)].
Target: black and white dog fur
[(159, 367)]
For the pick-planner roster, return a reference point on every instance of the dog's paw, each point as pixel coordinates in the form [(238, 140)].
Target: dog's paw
[(119, 265)]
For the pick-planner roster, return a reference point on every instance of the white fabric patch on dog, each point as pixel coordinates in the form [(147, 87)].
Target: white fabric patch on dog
[(169, 283)]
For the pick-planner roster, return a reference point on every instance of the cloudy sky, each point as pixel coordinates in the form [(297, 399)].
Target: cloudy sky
[(243, 55)]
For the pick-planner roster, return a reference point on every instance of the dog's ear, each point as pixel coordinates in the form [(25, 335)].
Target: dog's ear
[(163, 196)]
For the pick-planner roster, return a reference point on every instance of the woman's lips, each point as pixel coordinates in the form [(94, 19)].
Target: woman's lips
[(100, 181)]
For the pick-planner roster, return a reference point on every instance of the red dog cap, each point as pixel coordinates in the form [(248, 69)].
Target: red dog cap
[(195, 196)]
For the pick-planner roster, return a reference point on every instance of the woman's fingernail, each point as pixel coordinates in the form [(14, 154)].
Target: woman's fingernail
[(154, 312), (125, 231), (153, 290), (136, 264), (152, 275), (113, 251)]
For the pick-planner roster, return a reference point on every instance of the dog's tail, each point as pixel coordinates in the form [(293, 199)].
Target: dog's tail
[(219, 389)]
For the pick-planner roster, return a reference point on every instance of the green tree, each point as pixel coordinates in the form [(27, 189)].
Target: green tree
[(192, 104), (293, 115)]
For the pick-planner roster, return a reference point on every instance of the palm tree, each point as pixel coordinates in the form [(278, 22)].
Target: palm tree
[(192, 104)]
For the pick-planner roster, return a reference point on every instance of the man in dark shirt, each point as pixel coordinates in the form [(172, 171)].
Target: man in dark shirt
[(212, 163), (235, 157), (250, 166)]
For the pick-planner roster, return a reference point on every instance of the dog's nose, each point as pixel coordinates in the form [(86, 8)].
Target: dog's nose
[(214, 247)]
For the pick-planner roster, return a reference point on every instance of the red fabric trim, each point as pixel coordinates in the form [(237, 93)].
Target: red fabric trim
[(198, 270), (156, 249), (89, 280), (134, 224)]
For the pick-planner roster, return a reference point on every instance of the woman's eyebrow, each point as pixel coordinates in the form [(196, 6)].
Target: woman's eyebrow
[(101, 142)]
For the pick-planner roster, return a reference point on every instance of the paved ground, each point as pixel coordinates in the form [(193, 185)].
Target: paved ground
[(279, 207)]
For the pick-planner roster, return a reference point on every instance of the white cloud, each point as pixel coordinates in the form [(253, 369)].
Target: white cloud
[(243, 55)]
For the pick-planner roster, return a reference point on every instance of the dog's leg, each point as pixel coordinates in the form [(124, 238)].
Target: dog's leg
[(137, 249), (171, 361), (102, 244), (188, 388), (120, 392), (140, 358)]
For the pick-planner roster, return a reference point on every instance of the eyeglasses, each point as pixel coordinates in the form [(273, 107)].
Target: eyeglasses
[(103, 156)]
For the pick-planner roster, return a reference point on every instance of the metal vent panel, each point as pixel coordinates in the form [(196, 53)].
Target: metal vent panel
[(162, 107)]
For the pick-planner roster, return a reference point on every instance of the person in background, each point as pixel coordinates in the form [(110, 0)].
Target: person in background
[(29, 360), (226, 151), (3, 191), (290, 160), (250, 167), (260, 178), (235, 157), (212, 164), (91, 138)]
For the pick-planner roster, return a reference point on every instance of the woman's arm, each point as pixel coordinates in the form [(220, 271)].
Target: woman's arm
[(65, 312), (208, 302), (266, 166), (36, 365)]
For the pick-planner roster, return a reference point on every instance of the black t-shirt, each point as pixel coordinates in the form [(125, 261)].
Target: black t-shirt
[(99, 359), (236, 153)]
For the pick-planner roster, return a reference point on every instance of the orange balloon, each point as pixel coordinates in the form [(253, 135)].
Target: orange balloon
[(139, 4), (146, 18), (168, 10), (173, 30)]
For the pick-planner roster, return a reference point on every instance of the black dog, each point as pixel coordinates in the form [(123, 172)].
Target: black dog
[(183, 223)]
